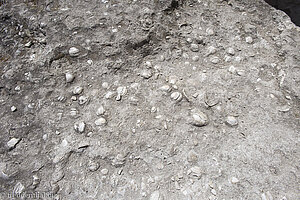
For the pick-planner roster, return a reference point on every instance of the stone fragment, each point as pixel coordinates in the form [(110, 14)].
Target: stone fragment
[(100, 111), (232, 69), (155, 195), (192, 156), (13, 109), (146, 74), (165, 88), (231, 121), (104, 171), (249, 40), (121, 91), (93, 166), (100, 122), (194, 47), (210, 31), (79, 127), (196, 171), (234, 180), (73, 51), (69, 77), (105, 85), (77, 90), (173, 79), (230, 51), (13, 142), (215, 60), (199, 119), (36, 181)]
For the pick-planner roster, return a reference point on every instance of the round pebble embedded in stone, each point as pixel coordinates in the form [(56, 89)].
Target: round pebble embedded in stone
[(73, 51)]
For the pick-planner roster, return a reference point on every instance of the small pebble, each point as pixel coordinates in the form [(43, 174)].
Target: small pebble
[(73, 51), (90, 62), (194, 47), (104, 171), (105, 85), (165, 88), (231, 121), (28, 44), (79, 127), (36, 180), (199, 119), (13, 142), (100, 122), (249, 40), (230, 51), (17, 88), (234, 180), (196, 171), (100, 110), (146, 74), (232, 69), (93, 166), (192, 156), (213, 191), (77, 90), (211, 50), (195, 58), (109, 94), (210, 31), (13, 109), (74, 98), (215, 60), (69, 77), (173, 80)]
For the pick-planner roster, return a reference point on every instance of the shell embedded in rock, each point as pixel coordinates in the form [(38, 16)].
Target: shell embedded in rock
[(177, 96), (199, 119)]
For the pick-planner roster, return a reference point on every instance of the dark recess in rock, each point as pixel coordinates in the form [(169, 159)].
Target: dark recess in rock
[(290, 7)]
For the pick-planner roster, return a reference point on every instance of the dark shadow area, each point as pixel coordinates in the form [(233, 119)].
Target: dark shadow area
[(290, 7)]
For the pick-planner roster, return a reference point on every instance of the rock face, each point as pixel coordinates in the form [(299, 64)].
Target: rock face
[(149, 99), (290, 7)]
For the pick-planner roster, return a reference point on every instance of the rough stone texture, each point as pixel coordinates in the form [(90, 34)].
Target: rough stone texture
[(148, 148)]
